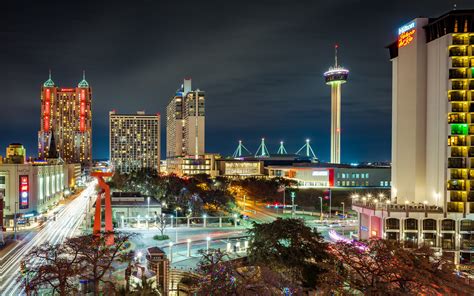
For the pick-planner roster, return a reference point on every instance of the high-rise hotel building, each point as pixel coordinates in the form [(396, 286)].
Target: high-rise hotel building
[(134, 141), (66, 113), (432, 198), (185, 131)]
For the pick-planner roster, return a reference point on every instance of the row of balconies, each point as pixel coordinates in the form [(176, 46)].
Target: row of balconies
[(460, 50), (446, 241), (462, 107), (461, 185), (461, 174), (460, 95), (461, 196), (460, 140), (461, 73), (462, 151), (462, 129), (462, 85), (462, 62), (463, 39), (457, 117), (429, 224)]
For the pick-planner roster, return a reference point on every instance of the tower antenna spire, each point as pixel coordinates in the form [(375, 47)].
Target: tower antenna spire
[(49, 73), (84, 74), (335, 54)]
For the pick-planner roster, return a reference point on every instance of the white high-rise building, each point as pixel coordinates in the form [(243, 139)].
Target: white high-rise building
[(185, 126), (432, 200), (134, 141)]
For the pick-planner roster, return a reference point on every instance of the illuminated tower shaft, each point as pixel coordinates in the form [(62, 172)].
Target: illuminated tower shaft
[(336, 76), (336, 122)]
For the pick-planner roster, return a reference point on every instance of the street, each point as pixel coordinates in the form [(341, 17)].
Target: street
[(55, 231)]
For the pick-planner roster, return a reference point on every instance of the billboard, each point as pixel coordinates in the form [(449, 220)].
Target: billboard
[(24, 192)]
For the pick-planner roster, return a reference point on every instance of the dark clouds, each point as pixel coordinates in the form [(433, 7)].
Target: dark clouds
[(260, 63)]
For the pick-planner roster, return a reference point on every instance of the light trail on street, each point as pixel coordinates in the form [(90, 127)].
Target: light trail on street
[(66, 225)]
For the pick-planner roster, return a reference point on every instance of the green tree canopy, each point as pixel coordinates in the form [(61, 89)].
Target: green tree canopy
[(289, 246)]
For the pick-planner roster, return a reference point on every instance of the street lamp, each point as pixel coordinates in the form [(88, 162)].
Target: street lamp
[(170, 244), (321, 208), (235, 220), (205, 222), (189, 247), (148, 199), (365, 200), (208, 242), (343, 216), (176, 212)]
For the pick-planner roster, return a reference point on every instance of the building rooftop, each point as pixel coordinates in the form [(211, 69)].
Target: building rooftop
[(443, 25), (155, 250), (83, 83), (49, 82)]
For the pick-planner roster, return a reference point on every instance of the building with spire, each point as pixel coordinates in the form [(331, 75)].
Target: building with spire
[(66, 122), (335, 77), (185, 132)]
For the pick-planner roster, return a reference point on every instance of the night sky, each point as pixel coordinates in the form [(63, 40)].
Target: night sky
[(260, 63)]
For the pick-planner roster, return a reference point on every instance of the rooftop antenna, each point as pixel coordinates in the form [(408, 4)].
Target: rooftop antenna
[(83, 74), (335, 55), (262, 150), (49, 73), (309, 150), (238, 151), (282, 149)]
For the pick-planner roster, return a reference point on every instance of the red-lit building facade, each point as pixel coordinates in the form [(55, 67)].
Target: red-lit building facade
[(66, 113)]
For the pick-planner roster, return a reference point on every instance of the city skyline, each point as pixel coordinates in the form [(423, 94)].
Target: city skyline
[(284, 39)]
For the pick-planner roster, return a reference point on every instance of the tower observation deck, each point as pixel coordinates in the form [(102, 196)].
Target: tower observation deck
[(334, 77)]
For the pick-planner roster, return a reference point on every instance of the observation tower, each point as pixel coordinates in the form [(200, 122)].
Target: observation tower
[(334, 77)]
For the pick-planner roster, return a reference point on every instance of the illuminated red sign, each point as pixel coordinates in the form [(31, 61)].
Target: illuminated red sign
[(82, 125), (66, 89), (24, 193), (47, 108), (406, 38)]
